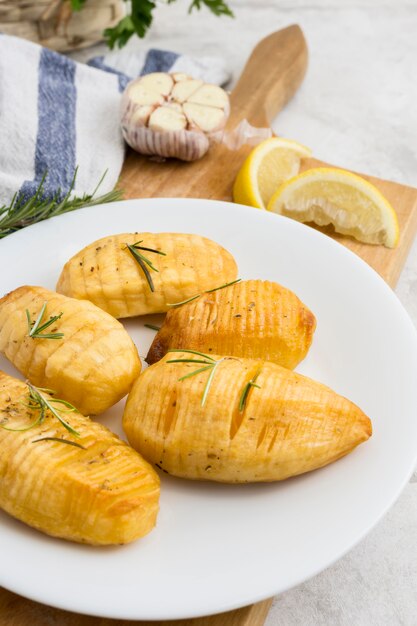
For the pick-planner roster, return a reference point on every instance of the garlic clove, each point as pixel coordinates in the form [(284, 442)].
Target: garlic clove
[(141, 115), (167, 119), (160, 82), (183, 90), (144, 96), (207, 119), (210, 95)]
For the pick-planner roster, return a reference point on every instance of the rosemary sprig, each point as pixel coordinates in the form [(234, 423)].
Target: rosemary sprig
[(211, 364), (152, 327), (38, 402), (35, 328), (208, 361), (246, 389), (39, 207), (70, 443), (233, 282), (144, 261)]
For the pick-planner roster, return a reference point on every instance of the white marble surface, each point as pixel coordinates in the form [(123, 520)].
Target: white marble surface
[(356, 108)]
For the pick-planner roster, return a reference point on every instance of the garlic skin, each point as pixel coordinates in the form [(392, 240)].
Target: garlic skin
[(172, 115)]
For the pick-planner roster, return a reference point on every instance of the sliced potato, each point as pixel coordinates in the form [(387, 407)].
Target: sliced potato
[(256, 421), (252, 318), (103, 493), (108, 274), (92, 366)]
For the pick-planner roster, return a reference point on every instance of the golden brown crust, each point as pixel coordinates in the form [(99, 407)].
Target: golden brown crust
[(289, 425), (103, 494), (252, 318), (92, 366), (106, 273)]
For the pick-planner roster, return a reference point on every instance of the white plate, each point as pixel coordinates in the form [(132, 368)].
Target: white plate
[(217, 547)]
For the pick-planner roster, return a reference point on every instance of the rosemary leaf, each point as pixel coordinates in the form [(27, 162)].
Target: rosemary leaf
[(233, 282), (201, 369), (143, 267), (35, 330), (149, 249), (22, 430), (209, 381), (152, 327), (246, 389), (210, 364), (42, 404), (21, 212), (143, 260), (174, 304), (189, 361), (70, 443)]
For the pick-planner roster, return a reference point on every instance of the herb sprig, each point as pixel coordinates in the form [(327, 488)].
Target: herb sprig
[(211, 364), (144, 261), (233, 282), (152, 327), (38, 402), (35, 328), (59, 440), (208, 361), (245, 391), (22, 212)]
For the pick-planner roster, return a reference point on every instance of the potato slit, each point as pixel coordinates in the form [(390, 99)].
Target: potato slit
[(261, 436), (273, 439), (170, 417)]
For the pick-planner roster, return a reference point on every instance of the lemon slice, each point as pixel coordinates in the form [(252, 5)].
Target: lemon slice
[(331, 196), (268, 165)]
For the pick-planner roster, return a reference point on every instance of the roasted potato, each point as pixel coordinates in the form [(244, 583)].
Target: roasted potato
[(252, 318), (101, 493), (251, 421), (110, 274), (94, 363)]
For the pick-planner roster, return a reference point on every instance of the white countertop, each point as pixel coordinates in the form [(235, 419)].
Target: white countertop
[(356, 109)]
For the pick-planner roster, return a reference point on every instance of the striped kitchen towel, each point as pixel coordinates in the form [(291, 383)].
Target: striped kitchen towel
[(57, 114)]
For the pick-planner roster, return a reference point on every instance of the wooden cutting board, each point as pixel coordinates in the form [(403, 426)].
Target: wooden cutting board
[(271, 76)]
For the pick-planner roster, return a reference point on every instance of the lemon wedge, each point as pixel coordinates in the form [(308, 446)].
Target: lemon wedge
[(268, 165), (332, 196)]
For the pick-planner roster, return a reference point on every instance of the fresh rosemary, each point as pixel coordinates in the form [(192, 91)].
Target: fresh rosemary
[(246, 389), (233, 282), (208, 361), (211, 364), (38, 402), (144, 261), (39, 207), (70, 443), (152, 327), (35, 328)]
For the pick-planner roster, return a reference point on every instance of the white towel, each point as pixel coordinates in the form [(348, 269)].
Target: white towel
[(57, 114)]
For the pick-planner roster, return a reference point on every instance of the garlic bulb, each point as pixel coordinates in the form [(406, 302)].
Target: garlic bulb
[(172, 115)]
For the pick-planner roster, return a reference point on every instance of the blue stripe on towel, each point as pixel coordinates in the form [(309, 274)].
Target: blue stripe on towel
[(56, 138), (98, 63), (159, 61)]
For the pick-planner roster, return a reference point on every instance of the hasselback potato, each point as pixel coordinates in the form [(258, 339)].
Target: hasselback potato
[(238, 420), (251, 318), (140, 273), (92, 365), (101, 493)]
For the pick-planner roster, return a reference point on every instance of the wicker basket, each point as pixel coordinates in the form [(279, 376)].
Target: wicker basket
[(52, 23)]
